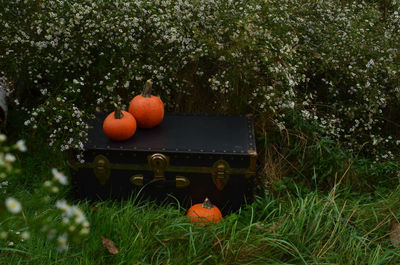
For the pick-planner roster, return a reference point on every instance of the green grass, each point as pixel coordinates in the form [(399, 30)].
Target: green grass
[(315, 229), (311, 230)]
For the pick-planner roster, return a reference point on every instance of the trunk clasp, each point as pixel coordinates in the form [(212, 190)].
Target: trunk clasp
[(221, 174)]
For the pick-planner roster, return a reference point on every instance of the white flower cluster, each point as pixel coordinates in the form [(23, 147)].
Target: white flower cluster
[(6, 162), (58, 179), (21, 145), (12, 205), (74, 219), (334, 63), (74, 225), (25, 235), (66, 123), (355, 73)]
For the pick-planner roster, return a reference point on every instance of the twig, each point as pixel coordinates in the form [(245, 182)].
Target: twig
[(14, 252), (341, 231), (155, 252), (333, 232), (284, 158), (378, 226), (220, 244), (340, 180)]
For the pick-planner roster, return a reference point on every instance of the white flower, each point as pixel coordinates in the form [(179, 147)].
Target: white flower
[(47, 183), (21, 145), (2, 138), (370, 62), (62, 242), (62, 205), (60, 177), (25, 235), (85, 224), (281, 126), (70, 212), (9, 158), (80, 219), (84, 231), (13, 205)]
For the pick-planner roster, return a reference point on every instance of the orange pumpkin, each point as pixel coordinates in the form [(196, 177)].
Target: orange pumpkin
[(147, 109), (204, 212), (119, 125)]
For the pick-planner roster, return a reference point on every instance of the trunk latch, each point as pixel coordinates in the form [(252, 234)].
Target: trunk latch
[(158, 163), (101, 168), (221, 173)]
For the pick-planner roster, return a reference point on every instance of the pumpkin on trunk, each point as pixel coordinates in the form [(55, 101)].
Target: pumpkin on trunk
[(204, 212), (147, 109), (119, 125)]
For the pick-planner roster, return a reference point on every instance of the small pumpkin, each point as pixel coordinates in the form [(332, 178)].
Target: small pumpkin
[(204, 212), (147, 109), (119, 125)]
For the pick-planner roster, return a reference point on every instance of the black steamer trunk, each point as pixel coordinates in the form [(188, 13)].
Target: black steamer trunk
[(190, 157)]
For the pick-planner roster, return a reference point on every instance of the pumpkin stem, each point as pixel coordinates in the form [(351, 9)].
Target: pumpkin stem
[(207, 204), (147, 89), (118, 113)]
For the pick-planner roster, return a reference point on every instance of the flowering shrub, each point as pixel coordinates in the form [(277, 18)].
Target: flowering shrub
[(352, 87), (335, 63), (16, 226)]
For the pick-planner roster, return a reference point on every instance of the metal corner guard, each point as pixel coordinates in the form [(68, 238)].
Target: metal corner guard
[(253, 163)]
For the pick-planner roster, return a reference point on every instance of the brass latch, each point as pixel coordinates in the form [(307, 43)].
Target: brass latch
[(158, 163), (180, 181), (137, 180), (101, 168), (221, 173)]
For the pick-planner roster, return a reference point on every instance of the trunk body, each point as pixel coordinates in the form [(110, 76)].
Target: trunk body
[(189, 157)]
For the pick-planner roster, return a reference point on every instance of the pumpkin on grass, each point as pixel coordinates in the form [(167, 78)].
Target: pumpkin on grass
[(204, 212), (147, 109), (119, 125)]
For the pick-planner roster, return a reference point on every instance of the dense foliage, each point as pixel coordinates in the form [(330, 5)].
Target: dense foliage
[(332, 65), (336, 63)]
